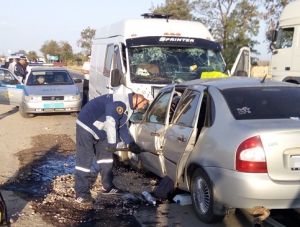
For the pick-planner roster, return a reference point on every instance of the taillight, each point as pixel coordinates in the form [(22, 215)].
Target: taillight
[(250, 156)]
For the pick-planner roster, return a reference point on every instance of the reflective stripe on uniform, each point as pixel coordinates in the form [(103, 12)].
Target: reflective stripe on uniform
[(87, 129), (82, 169), (99, 125), (110, 125), (105, 161)]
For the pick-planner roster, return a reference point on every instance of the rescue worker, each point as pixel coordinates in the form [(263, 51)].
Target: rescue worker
[(99, 125), (20, 67), (11, 66)]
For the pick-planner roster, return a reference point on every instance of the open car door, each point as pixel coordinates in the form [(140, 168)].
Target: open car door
[(151, 132), (11, 89), (181, 135), (241, 66)]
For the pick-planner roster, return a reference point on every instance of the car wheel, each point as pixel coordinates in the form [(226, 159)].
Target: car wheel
[(202, 197), (74, 114), (23, 113)]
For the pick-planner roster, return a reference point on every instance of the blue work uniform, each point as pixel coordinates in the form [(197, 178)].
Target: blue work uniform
[(100, 124), (20, 71)]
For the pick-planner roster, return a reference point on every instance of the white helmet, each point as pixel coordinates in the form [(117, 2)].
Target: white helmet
[(144, 91)]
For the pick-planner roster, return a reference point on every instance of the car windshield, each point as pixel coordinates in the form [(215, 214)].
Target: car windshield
[(163, 65), (49, 77), (263, 103)]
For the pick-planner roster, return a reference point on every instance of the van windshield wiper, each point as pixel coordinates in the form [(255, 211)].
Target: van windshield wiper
[(151, 79)]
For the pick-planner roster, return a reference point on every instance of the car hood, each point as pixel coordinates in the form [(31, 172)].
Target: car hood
[(44, 90), (280, 139)]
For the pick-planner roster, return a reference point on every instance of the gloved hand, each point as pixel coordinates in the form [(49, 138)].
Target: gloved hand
[(134, 148), (111, 149)]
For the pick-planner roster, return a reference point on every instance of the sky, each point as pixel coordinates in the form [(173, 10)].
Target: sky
[(26, 25)]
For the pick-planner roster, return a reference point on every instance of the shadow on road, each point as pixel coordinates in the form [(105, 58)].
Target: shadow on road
[(10, 112)]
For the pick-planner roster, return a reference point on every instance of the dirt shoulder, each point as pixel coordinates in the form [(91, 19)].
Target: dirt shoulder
[(36, 175), (15, 135)]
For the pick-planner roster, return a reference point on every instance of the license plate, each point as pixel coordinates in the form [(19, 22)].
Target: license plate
[(54, 105), (295, 161)]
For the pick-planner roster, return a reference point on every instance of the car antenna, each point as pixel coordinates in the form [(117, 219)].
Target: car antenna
[(263, 80)]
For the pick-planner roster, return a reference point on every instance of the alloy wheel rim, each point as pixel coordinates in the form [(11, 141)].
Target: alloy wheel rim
[(201, 195)]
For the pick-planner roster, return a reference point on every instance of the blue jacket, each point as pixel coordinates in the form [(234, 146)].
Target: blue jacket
[(106, 117), (19, 70)]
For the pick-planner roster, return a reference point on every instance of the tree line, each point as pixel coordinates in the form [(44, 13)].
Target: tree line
[(233, 23)]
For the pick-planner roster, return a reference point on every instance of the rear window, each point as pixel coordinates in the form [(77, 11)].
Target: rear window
[(263, 103)]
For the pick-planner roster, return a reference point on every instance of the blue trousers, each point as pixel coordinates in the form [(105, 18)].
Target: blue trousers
[(86, 148)]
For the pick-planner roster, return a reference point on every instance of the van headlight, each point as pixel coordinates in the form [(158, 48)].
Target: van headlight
[(72, 97), (33, 98)]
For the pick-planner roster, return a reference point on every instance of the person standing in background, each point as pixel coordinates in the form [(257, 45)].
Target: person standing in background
[(20, 69), (11, 66), (86, 70), (28, 67)]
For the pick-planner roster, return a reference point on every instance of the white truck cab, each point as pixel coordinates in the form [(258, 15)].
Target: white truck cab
[(154, 51), (285, 45)]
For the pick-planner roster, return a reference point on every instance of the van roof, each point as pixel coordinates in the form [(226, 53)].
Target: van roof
[(290, 14), (132, 28)]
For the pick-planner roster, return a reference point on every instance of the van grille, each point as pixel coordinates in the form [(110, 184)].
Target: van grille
[(53, 98)]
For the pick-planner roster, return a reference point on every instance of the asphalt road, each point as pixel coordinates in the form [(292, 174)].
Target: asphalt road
[(172, 214)]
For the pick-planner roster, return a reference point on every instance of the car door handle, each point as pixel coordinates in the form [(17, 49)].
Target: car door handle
[(154, 134), (181, 139)]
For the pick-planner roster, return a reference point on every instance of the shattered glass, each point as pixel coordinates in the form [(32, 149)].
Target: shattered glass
[(172, 64)]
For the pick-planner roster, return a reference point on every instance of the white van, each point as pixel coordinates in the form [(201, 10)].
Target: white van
[(155, 51), (285, 46)]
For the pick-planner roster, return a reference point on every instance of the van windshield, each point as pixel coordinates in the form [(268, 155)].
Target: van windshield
[(163, 65)]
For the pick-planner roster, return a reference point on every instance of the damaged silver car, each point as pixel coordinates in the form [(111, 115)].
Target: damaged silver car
[(230, 142)]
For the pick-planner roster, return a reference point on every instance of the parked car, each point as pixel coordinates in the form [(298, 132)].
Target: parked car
[(230, 142), (56, 93)]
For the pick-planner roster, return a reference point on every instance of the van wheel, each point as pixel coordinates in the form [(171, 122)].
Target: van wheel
[(202, 197), (23, 113)]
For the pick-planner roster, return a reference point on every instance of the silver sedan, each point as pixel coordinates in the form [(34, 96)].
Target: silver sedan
[(232, 143), (45, 90)]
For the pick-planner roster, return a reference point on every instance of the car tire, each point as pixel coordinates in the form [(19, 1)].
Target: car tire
[(203, 198), (74, 114), (23, 112)]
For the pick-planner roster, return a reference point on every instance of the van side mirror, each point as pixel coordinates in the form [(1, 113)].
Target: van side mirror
[(273, 48), (116, 78), (274, 35)]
